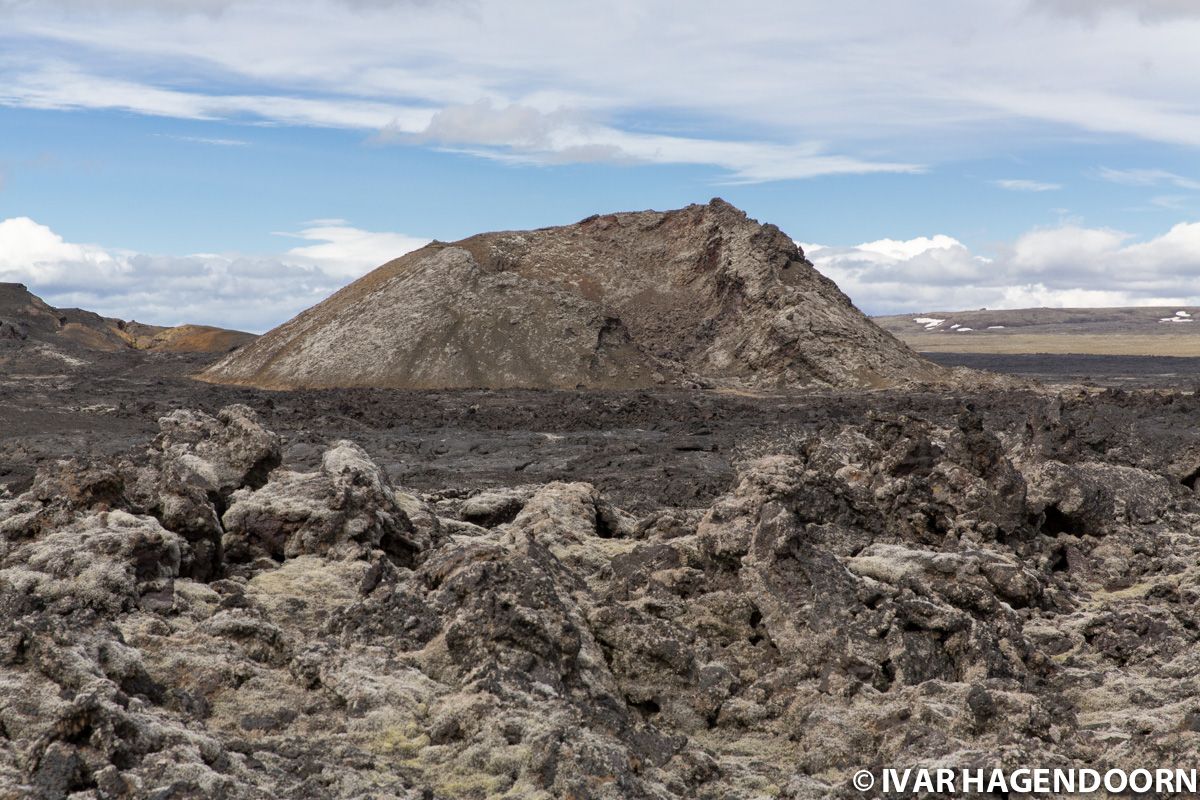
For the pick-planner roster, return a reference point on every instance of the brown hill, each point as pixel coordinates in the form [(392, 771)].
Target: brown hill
[(29, 323), (702, 295), (185, 338)]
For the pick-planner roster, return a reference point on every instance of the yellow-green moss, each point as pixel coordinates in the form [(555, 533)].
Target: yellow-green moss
[(473, 785), (406, 741)]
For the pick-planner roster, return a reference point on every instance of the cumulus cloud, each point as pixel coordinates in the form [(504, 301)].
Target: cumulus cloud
[(346, 252), (237, 291), (30, 250), (1025, 185), (1064, 266)]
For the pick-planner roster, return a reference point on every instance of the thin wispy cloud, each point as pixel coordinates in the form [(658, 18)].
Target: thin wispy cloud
[(520, 134), (65, 88), (855, 89), (1098, 111), (1147, 177), (1149, 10), (214, 142), (175, 8), (1024, 185)]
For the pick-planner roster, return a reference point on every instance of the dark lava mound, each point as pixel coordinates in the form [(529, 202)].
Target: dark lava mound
[(699, 296)]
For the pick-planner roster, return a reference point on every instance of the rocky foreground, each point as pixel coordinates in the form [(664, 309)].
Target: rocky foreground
[(196, 620)]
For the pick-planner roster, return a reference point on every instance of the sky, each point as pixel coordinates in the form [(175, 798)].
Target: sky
[(231, 162)]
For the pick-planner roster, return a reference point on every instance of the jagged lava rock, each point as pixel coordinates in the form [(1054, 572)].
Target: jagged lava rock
[(345, 510), (894, 592)]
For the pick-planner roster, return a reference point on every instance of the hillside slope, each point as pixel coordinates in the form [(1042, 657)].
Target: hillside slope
[(699, 296)]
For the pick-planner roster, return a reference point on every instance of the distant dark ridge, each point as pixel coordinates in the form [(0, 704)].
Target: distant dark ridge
[(25, 317)]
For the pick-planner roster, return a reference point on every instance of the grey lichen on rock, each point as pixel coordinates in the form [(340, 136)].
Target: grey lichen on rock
[(893, 592), (346, 510)]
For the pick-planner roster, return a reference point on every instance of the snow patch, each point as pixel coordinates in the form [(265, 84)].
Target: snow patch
[(1180, 316), (929, 322), (964, 330), (995, 327)]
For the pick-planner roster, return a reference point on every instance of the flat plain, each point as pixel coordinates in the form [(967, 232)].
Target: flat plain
[(1149, 331)]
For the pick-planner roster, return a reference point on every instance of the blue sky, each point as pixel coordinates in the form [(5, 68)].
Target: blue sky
[(233, 161)]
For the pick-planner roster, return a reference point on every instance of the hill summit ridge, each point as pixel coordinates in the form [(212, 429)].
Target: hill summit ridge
[(699, 296)]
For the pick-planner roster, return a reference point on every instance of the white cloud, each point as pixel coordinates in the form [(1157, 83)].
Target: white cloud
[(922, 265), (522, 134), (1173, 202), (174, 7), (347, 252), (1025, 185), (908, 248), (1142, 116), (791, 90), (215, 142), (1147, 177), (1062, 266), (1064, 252), (514, 133), (481, 123), (245, 292), (1150, 10), (159, 6), (63, 87), (30, 250)]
